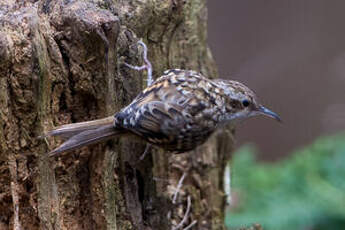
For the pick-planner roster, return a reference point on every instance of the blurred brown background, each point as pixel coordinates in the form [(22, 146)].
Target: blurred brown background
[(292, 54)]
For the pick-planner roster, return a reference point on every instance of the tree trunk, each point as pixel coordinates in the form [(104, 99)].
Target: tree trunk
[(61, 62)]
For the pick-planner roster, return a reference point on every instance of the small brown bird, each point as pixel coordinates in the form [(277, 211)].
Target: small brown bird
[(178, 112)]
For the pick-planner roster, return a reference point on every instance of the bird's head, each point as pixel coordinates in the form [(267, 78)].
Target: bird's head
[(242, 102)]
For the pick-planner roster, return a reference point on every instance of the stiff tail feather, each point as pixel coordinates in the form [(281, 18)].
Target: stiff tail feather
[(83, 133), (69, 130)]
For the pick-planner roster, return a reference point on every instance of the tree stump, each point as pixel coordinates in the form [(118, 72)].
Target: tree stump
[(61, 62)]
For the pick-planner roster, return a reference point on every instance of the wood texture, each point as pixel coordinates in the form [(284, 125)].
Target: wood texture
[(60, 62)]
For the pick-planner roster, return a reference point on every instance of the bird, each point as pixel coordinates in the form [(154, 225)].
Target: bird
[(178, 112)]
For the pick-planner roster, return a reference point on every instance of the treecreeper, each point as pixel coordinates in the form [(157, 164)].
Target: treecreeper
[(177, 112)]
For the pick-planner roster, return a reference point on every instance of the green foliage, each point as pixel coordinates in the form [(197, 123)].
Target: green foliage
[(306, 191)]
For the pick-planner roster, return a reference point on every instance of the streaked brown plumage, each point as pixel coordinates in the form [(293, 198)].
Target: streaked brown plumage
[(178, 112)]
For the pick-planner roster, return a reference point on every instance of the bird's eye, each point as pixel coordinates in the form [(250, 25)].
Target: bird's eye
[(245, 103)]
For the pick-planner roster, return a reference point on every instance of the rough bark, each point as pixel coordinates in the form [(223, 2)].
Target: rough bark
[(60, 62)]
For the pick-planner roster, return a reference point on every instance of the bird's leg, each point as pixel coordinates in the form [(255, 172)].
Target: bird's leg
[(147, 65)]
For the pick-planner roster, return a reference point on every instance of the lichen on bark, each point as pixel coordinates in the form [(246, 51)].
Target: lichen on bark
[(61, 62)]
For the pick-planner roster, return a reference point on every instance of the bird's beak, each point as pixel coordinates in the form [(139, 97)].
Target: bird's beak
[(263, 110)]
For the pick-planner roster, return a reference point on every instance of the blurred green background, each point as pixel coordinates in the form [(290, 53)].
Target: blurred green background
[(304, 191), (292, 54)]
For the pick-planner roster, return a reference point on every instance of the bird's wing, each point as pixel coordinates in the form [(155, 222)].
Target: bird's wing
[(155, 120), (168, 125)]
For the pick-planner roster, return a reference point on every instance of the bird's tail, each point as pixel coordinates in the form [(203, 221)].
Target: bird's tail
[(83, 133)]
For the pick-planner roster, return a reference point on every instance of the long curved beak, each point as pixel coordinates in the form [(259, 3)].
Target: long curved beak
[(264, 111)]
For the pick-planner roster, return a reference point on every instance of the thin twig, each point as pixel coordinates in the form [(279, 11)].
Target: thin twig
[(46, 141), (179, 185), (189, 203), (147, 65), (139, 68), (191, 225)]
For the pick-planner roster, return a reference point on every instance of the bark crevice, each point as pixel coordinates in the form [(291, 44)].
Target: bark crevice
[(61, 62)]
